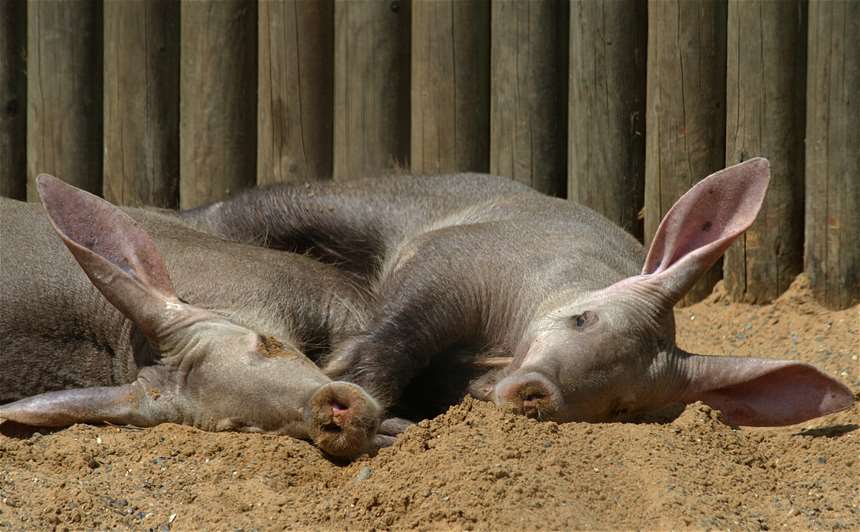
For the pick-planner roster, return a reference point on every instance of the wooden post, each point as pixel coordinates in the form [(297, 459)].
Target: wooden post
[(371, 87), (64, 87), (833, 152), (528, 100), (450, 85), (218, 102), (764, 103), (685, 113), (296, 82), (13, 114), (141, 98), (606, 161)]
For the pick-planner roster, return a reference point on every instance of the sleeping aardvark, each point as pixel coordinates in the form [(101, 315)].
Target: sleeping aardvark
[(138, 353), (539, 304)]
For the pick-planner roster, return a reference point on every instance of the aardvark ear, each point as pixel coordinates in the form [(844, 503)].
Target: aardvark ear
[(702, 224), (117, 255), (760, 392), (145, 402)]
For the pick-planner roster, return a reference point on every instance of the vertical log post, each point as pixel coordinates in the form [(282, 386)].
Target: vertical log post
[(371, 84), (64, 88), (833, 152), (141, 102), (13, 113), (764, 116), (606, 161), (450, 85), (528, 100), (296, 80), (685, 110), (218, 101)]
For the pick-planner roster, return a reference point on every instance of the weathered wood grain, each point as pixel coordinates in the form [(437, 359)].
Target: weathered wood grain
[(764, 117), (450, 85), (296, 83), (64, 93), (606, 154), (141, 102), (685, 109), (371, 86), (218, 100), (13, 114), (528, 96), (832, 256)]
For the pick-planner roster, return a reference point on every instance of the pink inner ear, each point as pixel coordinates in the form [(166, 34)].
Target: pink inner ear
[(704, 221), (94, 224), (749, 394)]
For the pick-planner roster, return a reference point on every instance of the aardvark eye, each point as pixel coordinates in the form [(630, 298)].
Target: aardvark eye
[(584, 320)]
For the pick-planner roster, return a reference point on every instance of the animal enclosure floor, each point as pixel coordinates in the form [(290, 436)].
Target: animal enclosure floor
[(478, 467)]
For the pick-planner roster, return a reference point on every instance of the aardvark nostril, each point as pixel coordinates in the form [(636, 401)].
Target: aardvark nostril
[(339, 408), (534, 399)]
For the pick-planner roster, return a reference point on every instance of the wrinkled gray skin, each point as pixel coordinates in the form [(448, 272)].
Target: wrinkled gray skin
[(484, 286), (222, 351)]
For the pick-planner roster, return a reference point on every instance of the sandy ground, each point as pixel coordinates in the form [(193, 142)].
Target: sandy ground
[(477, 467)]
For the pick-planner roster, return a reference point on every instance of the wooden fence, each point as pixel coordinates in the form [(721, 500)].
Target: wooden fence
[(619, 104)]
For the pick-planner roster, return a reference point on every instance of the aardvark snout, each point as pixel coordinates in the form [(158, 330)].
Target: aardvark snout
[(531, 394), (343, 419)]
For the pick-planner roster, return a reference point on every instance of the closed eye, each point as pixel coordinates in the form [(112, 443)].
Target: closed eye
[(584, 320)]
